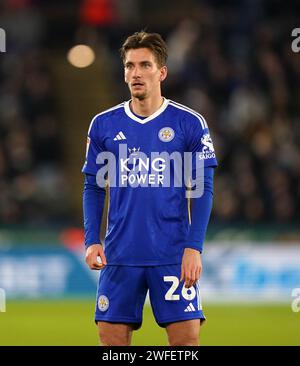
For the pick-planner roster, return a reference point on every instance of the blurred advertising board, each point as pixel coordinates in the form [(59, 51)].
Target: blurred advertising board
[(231, 272), (44, 272), (250, 272)]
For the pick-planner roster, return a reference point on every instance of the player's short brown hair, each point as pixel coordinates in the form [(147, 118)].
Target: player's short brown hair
[(152, 41)]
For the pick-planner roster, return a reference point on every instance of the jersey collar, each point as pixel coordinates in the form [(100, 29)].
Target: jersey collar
[(149, 118)]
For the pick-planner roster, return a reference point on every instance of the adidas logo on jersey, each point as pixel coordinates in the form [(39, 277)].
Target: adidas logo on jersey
[(190, 307), (120, 136)]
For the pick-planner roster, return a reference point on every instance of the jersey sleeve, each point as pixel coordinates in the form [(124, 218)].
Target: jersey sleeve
[(199, 141), (93, 148), (201, 149)]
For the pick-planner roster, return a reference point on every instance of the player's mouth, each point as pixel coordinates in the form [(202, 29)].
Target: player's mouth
[(137, 84)]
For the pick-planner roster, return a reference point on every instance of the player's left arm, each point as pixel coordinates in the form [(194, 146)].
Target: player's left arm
[(204, 161), (191, 265)]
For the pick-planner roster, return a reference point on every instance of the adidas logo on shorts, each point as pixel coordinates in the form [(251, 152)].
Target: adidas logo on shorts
[(190, 307)]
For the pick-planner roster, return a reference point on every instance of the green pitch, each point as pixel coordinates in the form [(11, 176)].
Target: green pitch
[(70, 322)]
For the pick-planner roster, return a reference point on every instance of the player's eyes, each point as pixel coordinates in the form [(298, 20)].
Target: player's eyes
[(130, 66)]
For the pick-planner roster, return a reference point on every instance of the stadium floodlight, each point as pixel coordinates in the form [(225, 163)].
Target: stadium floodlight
[(81, 56)]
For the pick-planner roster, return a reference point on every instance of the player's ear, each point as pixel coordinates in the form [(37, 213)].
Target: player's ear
[(125, 79), (163, 73)]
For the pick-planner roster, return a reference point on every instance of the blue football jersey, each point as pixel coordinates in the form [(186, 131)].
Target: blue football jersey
[(144, 160)]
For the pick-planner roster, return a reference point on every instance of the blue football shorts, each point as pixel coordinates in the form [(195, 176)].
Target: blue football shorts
[(122, 292)]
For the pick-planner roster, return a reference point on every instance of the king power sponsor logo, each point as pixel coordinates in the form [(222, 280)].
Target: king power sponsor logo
[(161, 169)]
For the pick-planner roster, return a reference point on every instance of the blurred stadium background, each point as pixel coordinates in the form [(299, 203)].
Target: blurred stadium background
[(230, 60)]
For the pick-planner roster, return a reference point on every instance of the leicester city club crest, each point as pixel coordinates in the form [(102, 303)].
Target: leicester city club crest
[(103, 303), (166, 134)]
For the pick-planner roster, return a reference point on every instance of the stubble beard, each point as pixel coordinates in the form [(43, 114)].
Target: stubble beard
[(140, 95)]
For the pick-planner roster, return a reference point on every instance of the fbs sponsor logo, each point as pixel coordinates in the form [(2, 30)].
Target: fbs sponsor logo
[(103, 303), (208, 150)]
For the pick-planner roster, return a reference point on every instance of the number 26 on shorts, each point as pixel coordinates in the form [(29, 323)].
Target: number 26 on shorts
[(187, 293)]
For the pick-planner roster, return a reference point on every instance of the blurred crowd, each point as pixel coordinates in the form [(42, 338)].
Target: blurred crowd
[(231, 61), (31, 154), (243, 76)]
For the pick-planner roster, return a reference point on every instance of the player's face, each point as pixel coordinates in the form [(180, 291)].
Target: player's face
[(142, 74)]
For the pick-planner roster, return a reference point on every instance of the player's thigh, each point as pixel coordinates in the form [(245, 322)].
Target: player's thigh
[(115, 334), (184, 333), (121, 295), (170, 300)]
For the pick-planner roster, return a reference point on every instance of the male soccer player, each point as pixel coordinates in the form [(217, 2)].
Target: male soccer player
[(150, 243)]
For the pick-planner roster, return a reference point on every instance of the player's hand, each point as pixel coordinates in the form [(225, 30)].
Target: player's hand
[(191, 267), (93, 253)]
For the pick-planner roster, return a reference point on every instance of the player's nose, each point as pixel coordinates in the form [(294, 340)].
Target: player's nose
[(136, 72)]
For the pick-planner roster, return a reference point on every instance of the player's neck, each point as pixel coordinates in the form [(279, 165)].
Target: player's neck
[(146, 107)]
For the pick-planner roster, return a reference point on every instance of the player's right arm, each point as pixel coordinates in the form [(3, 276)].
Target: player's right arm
[(93, 206), (93, 253), (93, 201)]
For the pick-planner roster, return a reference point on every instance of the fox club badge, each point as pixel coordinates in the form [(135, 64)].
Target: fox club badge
[(103, 303), (166, 134)]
